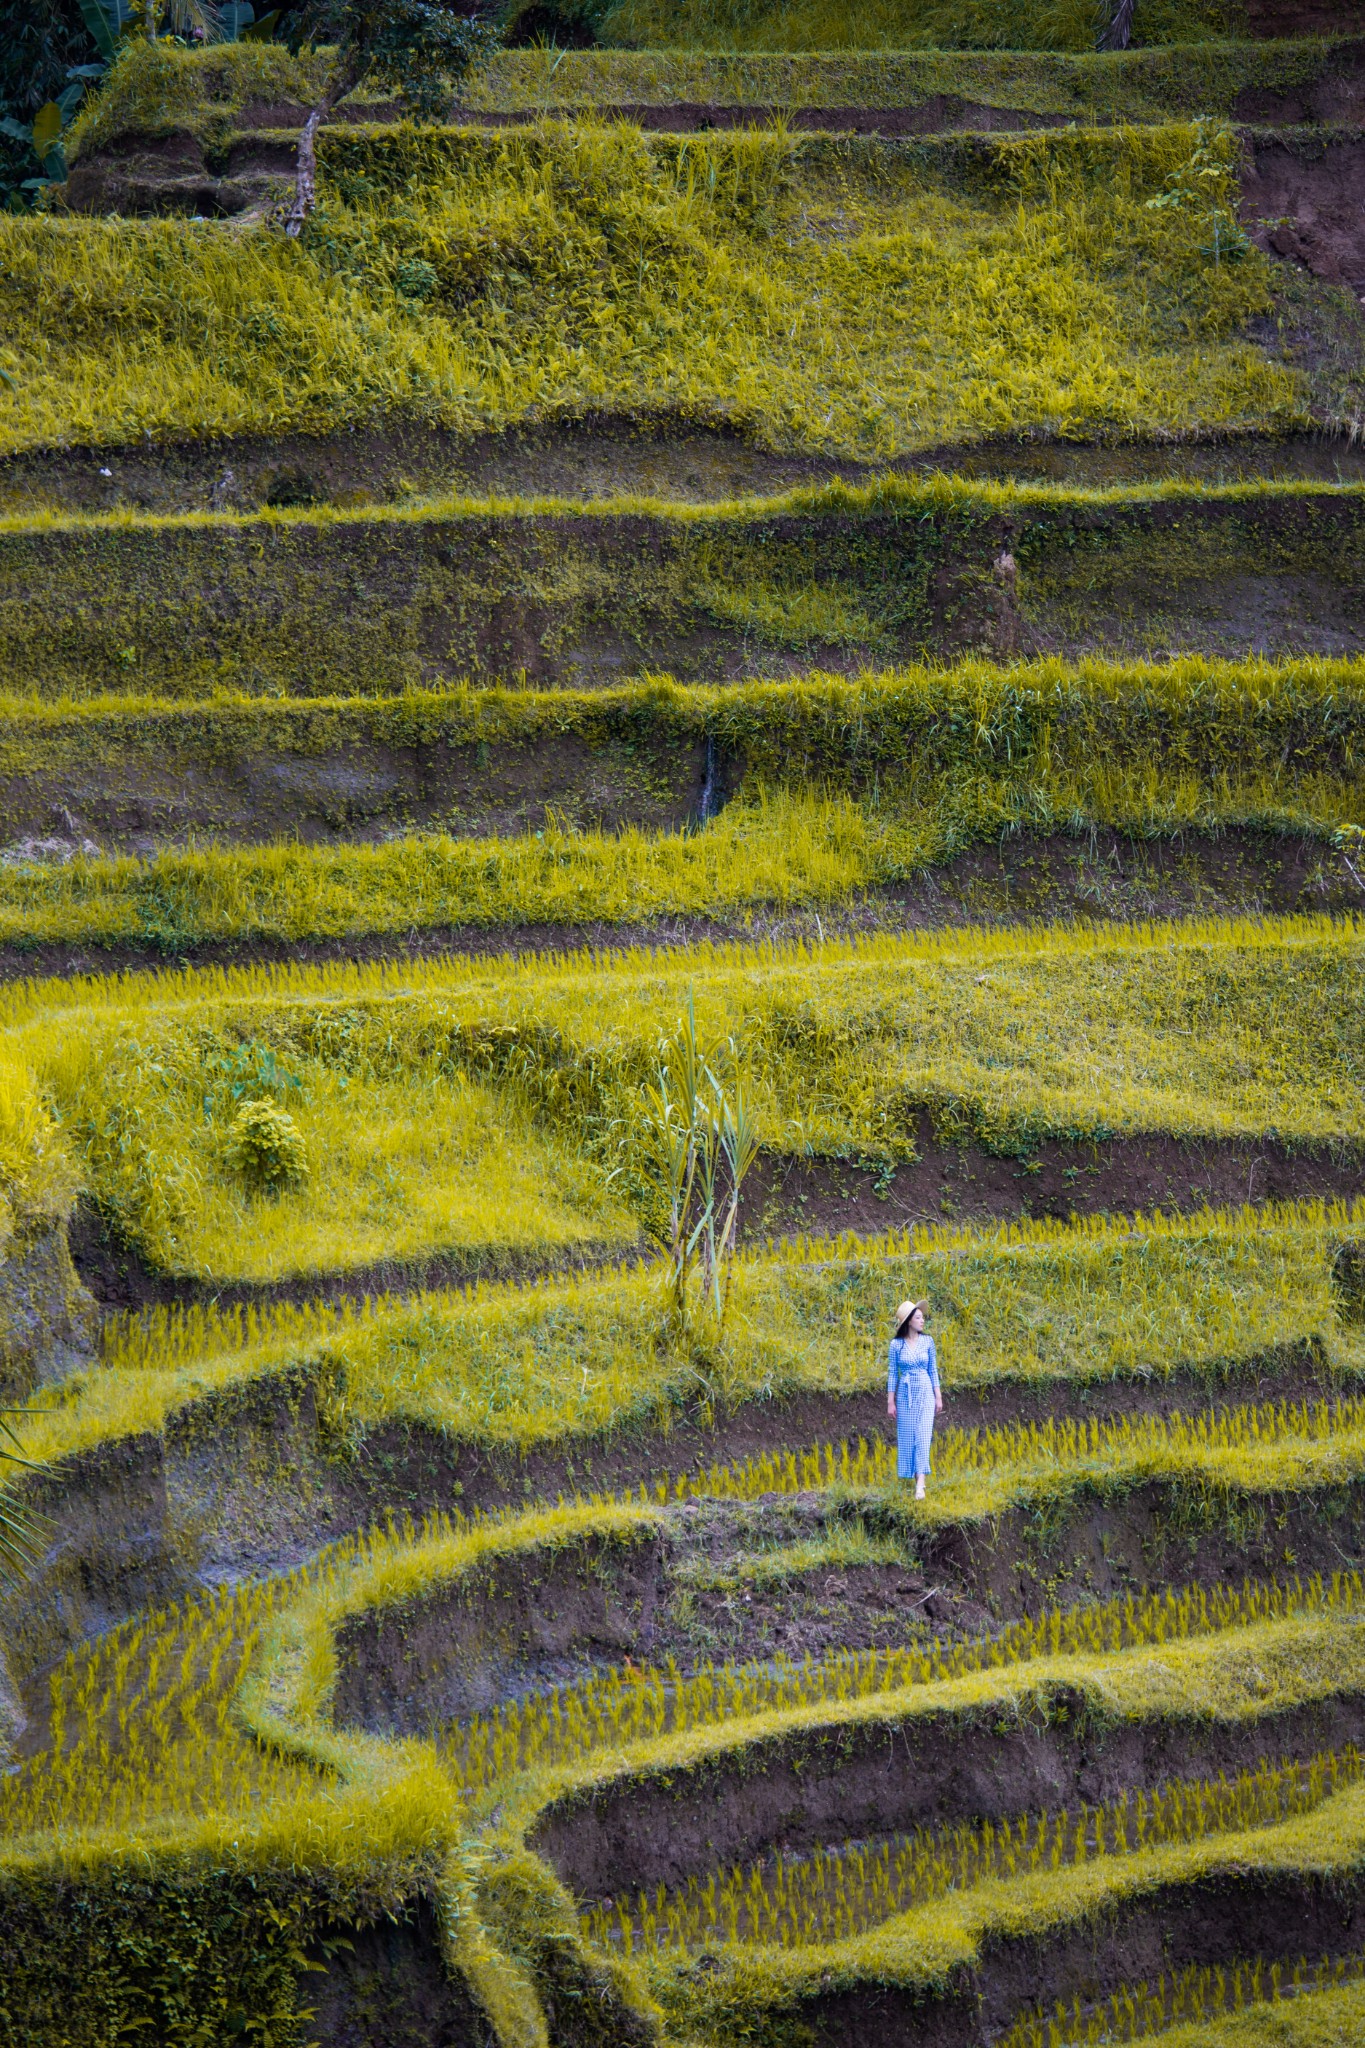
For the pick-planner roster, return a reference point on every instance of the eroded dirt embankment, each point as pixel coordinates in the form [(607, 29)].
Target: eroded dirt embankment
[(1024, 878), (545, 1618), (603, 456), (249, 1481), (1241, 1914), (794, 1793)]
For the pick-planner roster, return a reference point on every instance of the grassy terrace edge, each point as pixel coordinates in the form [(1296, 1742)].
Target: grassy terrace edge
[(561, 594), (1149, 749), (207, 91), (605, 1410)]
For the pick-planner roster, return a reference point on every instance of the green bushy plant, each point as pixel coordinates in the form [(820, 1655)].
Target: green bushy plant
[(266, 1147)]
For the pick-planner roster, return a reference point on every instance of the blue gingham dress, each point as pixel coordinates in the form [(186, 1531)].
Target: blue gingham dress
[(912, 1380)]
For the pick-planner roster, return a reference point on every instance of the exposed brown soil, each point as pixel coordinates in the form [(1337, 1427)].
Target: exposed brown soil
[(1303, 197), (1123, 1175), (598, 457), (244, 1482), (1026, 879), (1287, 18), (394, 1977), (711, 1590), (167, 784), (792, 1793), (525, 1620)]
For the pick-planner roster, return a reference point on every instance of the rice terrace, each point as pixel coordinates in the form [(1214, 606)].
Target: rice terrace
[(682, 1023)]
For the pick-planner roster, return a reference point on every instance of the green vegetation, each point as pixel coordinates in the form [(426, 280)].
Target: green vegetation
[(835, 296), (159, 91), (573, 1724), (545, 1651), (494, 1115), (477, 1114), (1144, 85), (145, 1746), (1216, 2008), (141, 1730), (576, 1365), (830, 1897)]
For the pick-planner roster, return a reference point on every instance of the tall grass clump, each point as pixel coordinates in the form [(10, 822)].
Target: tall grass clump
[(538, 273)]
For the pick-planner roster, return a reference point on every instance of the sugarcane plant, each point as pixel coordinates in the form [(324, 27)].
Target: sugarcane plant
[(703, 1141)]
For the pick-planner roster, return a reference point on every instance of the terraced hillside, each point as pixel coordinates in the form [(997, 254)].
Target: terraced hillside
[(733, 692)]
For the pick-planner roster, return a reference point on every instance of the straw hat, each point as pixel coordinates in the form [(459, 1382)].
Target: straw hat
[(906, 1310)]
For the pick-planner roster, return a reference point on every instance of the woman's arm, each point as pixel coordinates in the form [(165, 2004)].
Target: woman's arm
[(933, 1378), (891, 1379)]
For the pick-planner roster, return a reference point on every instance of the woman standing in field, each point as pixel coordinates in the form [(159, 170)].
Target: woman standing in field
[(913, 1394)]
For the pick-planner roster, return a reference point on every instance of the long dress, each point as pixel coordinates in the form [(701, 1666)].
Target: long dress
[(912, 1380)]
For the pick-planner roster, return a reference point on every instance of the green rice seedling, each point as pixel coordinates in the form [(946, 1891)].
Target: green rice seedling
[(864, 309), (169, 1338), (1069, 1447), (644, 1703), (770, 849), (576, 1359), (20, 1529), (839, 1892), (140, 1727), (1192, 2001)]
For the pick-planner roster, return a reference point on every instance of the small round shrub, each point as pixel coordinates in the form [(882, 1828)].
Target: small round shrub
[(266, 1147), (415, 278)]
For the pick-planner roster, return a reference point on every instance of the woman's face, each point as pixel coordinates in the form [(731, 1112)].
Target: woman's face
[(917, 1321)]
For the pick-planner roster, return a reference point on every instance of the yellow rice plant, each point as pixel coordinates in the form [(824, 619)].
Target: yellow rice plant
[(1069, 1448)]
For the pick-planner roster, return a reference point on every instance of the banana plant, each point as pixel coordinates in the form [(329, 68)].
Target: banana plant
[(106, 21)]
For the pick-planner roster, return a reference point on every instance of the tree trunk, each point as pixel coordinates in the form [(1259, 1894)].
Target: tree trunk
[(1120, 29), (345, 78)]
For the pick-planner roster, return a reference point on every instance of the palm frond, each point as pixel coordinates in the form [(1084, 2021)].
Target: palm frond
[(21, 1531)]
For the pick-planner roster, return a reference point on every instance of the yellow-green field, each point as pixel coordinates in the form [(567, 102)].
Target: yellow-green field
[(512, 971)]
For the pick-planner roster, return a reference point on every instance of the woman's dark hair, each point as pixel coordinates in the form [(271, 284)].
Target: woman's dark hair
[(903, 1329)]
